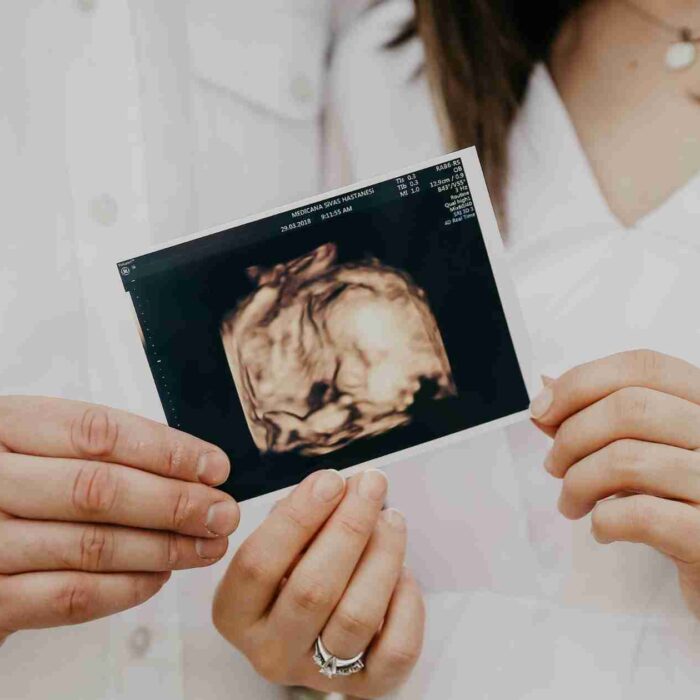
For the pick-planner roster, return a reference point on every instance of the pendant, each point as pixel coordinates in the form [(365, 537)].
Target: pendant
[(681, 54)]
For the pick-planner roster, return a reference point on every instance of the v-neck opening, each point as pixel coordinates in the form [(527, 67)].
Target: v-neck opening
[(667, 204)]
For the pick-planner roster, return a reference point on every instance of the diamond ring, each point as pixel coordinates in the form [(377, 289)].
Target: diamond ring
[(331, 666)]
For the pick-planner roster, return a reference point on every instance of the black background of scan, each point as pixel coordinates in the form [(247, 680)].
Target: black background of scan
[(182, 308)]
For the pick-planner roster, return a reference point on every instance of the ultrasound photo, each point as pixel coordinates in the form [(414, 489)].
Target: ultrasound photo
[(333, 333), (323, 353)]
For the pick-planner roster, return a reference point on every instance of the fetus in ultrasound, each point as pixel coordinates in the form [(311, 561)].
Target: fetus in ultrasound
[(325, 353)]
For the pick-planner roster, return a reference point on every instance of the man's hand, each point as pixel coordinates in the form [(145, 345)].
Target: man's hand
[(97, 506), (629, 426)]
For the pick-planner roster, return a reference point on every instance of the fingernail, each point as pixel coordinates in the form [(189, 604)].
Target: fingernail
[(328, 485), (373, 485), (222, 518), (541, 403), (546, 380), (211, 549), (549, 462), (213, 468), (394, 518)]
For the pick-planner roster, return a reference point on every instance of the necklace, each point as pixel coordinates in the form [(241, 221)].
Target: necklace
[(682, 53)]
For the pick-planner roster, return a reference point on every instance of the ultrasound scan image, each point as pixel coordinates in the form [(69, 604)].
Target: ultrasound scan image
[(348, 329), (325, 353)]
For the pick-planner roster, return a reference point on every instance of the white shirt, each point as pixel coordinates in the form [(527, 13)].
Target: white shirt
[(138, 121), (543, 611), (124, 123)]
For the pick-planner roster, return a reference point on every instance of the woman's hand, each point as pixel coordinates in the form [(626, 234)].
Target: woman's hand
[(629, 425), (326, 561), (96, 507)]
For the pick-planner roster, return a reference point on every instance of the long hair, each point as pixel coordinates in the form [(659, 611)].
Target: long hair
[(479, 55)]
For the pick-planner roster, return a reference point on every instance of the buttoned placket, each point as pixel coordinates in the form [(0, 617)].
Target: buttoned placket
[(108, 179)]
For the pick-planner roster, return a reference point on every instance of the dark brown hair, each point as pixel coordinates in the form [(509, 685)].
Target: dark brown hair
[(480, 54)]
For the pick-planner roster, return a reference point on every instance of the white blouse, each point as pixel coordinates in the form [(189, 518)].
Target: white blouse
[(543, 610)]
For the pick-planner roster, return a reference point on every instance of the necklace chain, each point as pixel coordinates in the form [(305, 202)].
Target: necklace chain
[(684, 33)]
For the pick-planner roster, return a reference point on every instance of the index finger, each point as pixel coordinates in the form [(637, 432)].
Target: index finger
[(593, 381), (48, 427), (261, 563)]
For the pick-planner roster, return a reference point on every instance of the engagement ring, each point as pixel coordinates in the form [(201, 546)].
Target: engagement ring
[(331, 666)]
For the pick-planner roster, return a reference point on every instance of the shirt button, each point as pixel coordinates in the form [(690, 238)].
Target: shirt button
[(104, 209), (140, 642), (86, 5), (301, 88)]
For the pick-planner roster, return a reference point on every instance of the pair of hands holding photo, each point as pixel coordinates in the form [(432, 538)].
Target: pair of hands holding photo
[(97, 507)]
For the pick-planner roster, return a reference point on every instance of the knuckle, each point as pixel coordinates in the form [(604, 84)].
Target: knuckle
[(138, 592), (566, 433), (354, 624), (354, 527), (310, 595), (572, 488), (172, 554), (642, 515), (143, 587), (175, 458), (181, 509), (563, 440), (599, 525), (605, 523), (299, 518), (631, 404), (94, 433), (623, 450), (73, 602), (624, 459), (96, 548), (250, 565), (646, 364), (95, 489)]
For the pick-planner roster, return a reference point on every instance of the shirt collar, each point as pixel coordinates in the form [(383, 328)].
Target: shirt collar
[(551, 181)]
